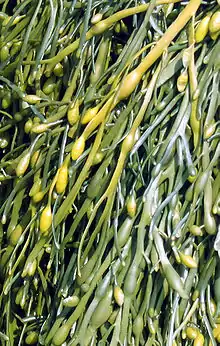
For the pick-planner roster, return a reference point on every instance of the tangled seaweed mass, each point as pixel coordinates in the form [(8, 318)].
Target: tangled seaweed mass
[(109, 172)]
